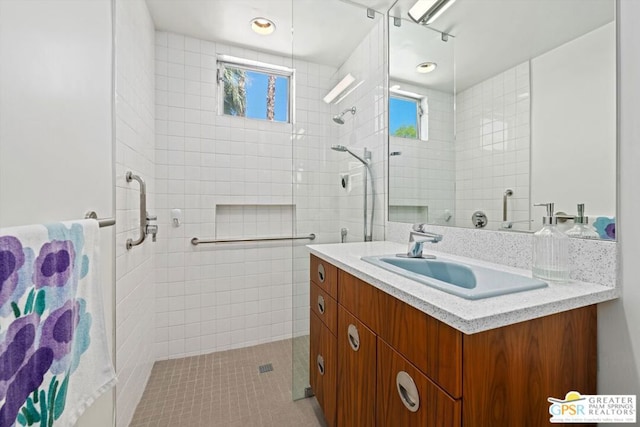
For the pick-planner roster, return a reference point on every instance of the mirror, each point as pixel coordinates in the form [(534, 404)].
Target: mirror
[(520, 109)]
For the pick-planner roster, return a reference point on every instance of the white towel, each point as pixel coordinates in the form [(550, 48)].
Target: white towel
[(54, 357)]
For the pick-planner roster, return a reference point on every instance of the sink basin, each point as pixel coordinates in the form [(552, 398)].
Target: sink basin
[(466, 281)]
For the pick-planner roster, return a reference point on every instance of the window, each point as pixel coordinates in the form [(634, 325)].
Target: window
[(254, 90), (406, 117)]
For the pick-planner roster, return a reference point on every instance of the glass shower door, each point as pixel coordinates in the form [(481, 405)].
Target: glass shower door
[(323, 206)]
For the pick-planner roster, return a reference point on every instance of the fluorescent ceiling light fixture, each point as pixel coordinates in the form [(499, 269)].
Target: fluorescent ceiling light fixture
[(405, 93), (339, 88), (427, 11), (263, 26), (426, 67), (349, 92)]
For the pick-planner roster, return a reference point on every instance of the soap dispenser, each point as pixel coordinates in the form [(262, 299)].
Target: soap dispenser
[(550, 250), (581, 226)]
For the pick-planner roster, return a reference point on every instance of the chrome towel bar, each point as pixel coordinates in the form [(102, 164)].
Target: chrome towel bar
[(102, 222), (195, 241)]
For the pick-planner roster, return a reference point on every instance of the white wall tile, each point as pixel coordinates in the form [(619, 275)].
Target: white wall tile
[(136, 83), (492, 149)]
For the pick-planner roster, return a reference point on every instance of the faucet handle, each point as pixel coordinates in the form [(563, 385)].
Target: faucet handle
[(152, 217), (153, 230), (419, 227)]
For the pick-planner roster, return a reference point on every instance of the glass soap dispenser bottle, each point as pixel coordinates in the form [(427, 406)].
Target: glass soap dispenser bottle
[(581, 226), (550, 250)]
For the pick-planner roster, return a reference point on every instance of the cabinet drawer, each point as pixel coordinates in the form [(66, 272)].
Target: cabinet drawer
[(406, 397), (324, 275), (323, 367), (356, 372), (325, 307), (362, 300)]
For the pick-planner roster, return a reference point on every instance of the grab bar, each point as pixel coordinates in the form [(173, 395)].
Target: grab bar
[(130, 176), (508, 192), (195, 241)]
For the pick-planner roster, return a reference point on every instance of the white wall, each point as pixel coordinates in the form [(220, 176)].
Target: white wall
[(492, 148), (574, 125), (619, 321), (55, 126), (135, 151)]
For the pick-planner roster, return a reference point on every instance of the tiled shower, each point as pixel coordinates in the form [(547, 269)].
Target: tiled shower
[(230, 177)]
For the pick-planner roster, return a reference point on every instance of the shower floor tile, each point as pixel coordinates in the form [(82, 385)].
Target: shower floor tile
[(227, 389)]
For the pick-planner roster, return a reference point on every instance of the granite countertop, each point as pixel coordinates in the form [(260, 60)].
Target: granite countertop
[(468, 316)]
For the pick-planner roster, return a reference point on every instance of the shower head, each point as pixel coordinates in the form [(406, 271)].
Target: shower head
[(339, 117), (343, 149)]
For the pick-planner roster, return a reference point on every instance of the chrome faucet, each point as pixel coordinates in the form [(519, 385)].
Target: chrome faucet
[(151, 228), (417, 237)]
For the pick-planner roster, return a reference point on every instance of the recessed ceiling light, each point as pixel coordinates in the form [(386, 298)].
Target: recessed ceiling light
[(262, 26), (426, 67)]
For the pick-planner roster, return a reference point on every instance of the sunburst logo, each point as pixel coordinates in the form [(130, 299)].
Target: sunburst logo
[(570, 406)]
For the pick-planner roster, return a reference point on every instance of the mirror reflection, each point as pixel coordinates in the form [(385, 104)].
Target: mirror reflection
[(495, 106)]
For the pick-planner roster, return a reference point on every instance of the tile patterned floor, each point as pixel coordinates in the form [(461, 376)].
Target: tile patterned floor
[(226, 389)]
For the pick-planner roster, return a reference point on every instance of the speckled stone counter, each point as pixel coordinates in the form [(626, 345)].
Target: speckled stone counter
[(465, 315)]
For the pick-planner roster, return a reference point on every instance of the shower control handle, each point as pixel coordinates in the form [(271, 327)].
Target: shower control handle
[(153, 230)]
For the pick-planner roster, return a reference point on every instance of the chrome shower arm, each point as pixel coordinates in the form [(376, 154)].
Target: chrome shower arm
[(363, 161)]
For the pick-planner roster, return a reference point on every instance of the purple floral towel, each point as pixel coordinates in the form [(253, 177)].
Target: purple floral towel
[(54, 357)]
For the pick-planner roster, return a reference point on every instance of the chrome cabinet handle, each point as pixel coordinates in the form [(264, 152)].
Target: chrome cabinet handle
[(320, 362), (321, 304), (408, 391), (321, 274), (354, 337)]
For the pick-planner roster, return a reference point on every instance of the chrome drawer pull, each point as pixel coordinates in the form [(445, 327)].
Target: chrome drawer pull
[(354, 337), (321, 304), (320, 361), (408, 391), (321, 274)]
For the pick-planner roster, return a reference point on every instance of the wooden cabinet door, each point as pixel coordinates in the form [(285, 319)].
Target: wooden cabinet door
[(510, 372), (323, 367), (356, 372), (406, 397)]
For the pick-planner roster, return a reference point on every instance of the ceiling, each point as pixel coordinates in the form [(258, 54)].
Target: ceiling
[(318, 25), (489, 35)]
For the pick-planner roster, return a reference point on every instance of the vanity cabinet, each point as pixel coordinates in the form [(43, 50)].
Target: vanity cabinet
[(397, 366)]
